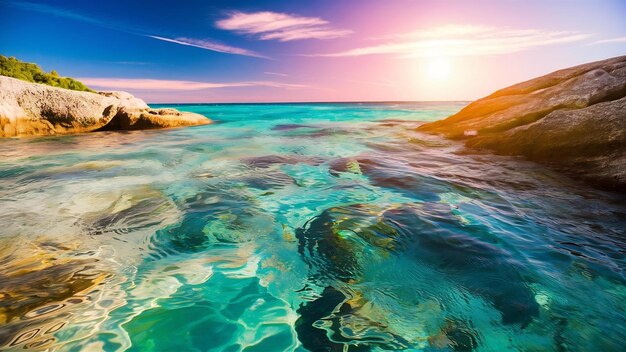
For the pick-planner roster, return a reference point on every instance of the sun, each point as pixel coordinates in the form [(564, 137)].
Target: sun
[(438, 68)]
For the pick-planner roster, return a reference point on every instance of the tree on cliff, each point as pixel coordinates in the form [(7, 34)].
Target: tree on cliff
[(12, 67)]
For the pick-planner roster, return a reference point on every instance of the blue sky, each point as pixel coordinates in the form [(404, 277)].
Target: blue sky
[(214, 51)]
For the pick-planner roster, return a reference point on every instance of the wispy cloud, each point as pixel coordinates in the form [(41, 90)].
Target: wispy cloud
[(609, 41), (280, 26), (65, 13), (446, 31), (210, 45), (57, 11), (276, 74), (463, 40), (176, 85)]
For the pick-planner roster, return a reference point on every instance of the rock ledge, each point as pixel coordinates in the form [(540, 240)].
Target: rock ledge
[(573, 120), (31, 109)]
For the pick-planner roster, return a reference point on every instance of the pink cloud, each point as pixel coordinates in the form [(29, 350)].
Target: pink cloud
[(463, 40), (276, 74), (280, 26), (609, 41), (176, 85)]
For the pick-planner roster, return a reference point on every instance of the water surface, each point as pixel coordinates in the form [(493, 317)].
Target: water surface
[(295, 227)]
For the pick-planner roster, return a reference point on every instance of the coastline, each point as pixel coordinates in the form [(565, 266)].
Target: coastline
[(33, 109), (573, 120)]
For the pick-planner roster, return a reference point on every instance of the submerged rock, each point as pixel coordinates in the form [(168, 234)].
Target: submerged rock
[(341, 242), (316, 339), (138, 209), (456, 335), (290, 126), (210, 217), (477, 264), (268, 161), (334, 245), (573, 119), (330, 255), (386, 172), (30, 109), (39, 288), (350, 165)]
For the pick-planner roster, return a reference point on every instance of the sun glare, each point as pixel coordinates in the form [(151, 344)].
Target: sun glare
[(438, 69)]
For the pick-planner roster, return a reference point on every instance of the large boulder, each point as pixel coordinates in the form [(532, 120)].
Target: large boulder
[(36, 109), (572, 119)]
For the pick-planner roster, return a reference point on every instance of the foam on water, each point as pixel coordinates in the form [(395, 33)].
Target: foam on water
[(293, 227)]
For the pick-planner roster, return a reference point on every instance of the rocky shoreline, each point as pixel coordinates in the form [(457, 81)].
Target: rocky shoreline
[(32, 109), (573, 120)]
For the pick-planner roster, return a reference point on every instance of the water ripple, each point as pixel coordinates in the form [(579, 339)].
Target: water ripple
[(302, 227)]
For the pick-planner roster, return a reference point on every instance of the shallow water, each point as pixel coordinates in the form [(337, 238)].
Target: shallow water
[(323, 227)]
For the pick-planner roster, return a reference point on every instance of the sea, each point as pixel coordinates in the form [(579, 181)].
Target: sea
[(302, 227)]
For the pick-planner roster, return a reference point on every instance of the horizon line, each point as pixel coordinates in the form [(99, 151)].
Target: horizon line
[(319, 102)]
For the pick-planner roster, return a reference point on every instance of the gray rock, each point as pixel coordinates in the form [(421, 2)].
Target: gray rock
[(573, 120), (28, 109)]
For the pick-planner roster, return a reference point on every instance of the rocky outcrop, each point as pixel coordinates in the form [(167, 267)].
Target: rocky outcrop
[(28, 109), (572, 119)]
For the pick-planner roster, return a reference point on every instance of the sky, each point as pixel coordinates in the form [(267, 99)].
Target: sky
[(310, 51)]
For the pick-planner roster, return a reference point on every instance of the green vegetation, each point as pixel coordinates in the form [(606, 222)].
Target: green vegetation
[(12, 67)]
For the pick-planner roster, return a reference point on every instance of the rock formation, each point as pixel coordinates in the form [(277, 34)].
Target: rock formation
[(28, 109), (573, 119)]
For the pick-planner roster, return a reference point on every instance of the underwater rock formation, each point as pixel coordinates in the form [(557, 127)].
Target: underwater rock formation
[(214, 216), (37, 289), (338, 244), (475, 263)]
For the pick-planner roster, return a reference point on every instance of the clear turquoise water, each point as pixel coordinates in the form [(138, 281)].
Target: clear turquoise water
[(322, 227)]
